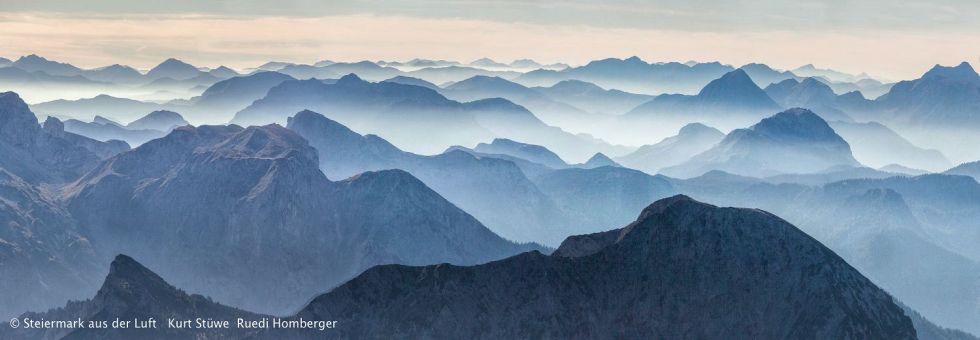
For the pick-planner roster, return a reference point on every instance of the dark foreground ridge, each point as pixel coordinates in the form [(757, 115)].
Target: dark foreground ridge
[(683, 269)]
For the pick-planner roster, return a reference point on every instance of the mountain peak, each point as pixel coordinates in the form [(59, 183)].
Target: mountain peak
[(796, 122), (963, 71), (350, 79), (697, 129), (600, 160), (161, 120), (736, 88), (129, 280), (173, 68)]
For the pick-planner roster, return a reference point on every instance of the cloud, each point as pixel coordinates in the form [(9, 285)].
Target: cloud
[(243, 41)]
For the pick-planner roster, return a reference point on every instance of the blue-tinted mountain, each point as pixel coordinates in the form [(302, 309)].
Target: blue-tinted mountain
[(444, 75), (792, 141), (598, 160), (691, 140), (769, 279), (223, 72), (403, 114), (413, 81), (595, 198), (117, 108), (810, 94), (593, 98), (107, 131), (971, 169), (876, 145), (34, 62), (732, 100), (226, 97), (534, 153), (173, 69), (495, 191), (942, 97), (4, 62), (161, 120), (525, 63), (254, 202), (763, 75), (487, 62), (117, 74)]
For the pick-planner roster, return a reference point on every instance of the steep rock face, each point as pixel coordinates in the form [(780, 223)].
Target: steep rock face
[(495, 191), (253, 202), (682, 269), (792, 141), (691, 140), (133, 292), (43, 155)]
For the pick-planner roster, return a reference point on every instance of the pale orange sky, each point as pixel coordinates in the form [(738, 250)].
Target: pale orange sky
[(240, 41)]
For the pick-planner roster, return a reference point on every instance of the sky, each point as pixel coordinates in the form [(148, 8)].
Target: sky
[(889, 39)]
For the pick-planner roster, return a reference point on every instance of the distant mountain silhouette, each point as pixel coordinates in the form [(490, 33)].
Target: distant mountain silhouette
[(691, 140), (876, 145), (34, 62), (495, 191), (228, 96), (942, 97), (792, 141), (160, 120), (122, 109), (116, 74), (534, 153), (413, 81), (691, 252), (810, 94), (173, 69), (763, 75), (592, 98), (487, 62), (732, 100), (599, 160), (402, 114), (971, 169)]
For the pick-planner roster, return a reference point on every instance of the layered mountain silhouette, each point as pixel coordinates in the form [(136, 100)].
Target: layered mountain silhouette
[(876, 145), (154, 125), (161, 120), (971, 169), (944, 96), (254, 203), (692, 139), (690, 269), (228, 96), (534, 153), (592, 98), (403, 114), (811, 94), (495, 191), (173, 69), (122, 109), (732, 100), (792, 141)]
